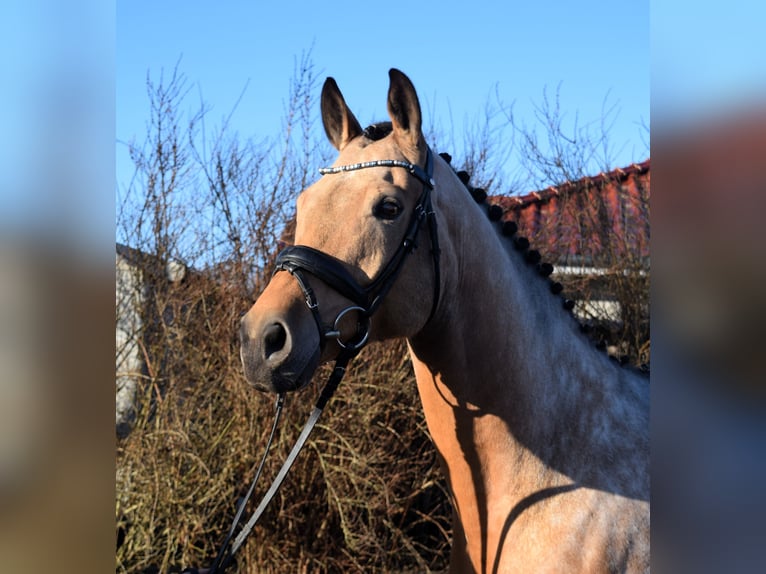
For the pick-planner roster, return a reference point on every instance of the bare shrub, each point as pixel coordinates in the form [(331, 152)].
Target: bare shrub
[(366, 492)]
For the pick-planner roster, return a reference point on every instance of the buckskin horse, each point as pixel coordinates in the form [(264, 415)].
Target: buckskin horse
[(543, 438)]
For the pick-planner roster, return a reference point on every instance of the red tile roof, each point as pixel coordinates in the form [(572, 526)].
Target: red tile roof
[(599, 220)]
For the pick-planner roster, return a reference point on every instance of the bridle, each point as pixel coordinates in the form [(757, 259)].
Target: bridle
[(300, 261)]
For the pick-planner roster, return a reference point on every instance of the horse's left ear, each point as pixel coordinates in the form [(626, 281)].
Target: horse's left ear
[(404, 109)]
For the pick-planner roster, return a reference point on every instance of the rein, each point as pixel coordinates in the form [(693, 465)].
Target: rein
[(299, 260)]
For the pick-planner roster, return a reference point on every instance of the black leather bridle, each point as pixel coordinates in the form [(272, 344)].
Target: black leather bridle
[(300, 261)]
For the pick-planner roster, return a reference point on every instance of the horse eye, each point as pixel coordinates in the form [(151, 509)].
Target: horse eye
[(388, 208)]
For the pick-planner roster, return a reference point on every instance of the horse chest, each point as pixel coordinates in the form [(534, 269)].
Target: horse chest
[(558, 529)]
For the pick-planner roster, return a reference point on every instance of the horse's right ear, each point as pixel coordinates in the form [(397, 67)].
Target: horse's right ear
[(404, 110), (340, 125)]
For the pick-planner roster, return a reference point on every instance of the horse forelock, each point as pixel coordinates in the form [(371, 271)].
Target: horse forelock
[(378, 131)]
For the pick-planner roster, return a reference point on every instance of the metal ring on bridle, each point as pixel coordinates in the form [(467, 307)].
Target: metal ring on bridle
[(350, 345)]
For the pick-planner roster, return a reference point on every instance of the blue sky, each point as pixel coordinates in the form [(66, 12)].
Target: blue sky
[(74, 74), (707, 58), (456, 53)]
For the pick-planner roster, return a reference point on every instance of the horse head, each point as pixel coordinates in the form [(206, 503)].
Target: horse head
[(354, 273)]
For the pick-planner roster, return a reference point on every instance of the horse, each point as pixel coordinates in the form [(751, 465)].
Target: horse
[(543, 438)]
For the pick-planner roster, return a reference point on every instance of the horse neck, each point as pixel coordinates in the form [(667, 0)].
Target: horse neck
[(502, 365)]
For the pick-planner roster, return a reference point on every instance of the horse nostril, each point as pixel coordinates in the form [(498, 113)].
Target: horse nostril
[(274, 338)]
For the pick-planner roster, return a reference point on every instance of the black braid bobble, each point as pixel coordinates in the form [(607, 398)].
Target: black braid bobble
[(495, 212), (569, 304), (464, 177), (556, 288), (478, 194), (509, 228), (521, 243), (533, 256), (446, 157), (545, 269)]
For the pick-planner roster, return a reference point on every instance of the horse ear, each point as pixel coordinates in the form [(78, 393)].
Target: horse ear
[(404, 109), (340, 125)]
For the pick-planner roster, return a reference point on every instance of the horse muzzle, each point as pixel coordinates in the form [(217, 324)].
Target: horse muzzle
[(279, 346)]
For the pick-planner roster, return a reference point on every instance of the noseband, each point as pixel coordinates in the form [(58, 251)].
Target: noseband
[(300, 259)]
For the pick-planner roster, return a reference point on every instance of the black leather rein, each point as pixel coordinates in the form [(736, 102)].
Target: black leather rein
[(299, 260)]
